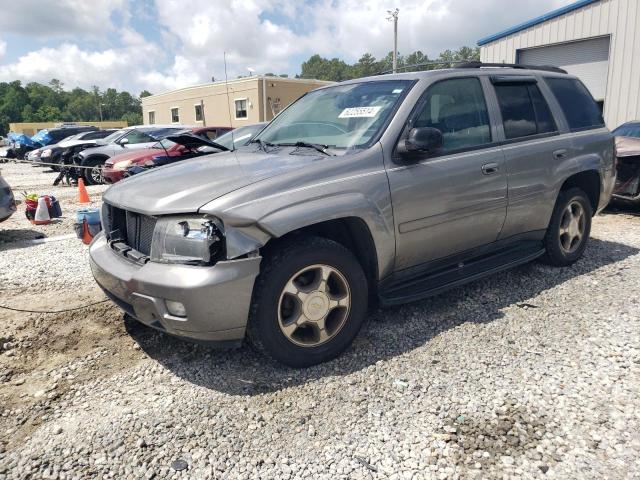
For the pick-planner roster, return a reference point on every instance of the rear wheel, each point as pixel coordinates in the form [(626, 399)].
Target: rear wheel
[(309, 302), (93, 175), (569, 228)]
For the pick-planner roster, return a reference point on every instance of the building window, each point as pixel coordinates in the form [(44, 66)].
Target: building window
[(152, 117), (175, 115), (198, 109), (241, 108)]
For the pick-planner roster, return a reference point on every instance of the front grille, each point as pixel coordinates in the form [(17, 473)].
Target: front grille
[(134, 229)]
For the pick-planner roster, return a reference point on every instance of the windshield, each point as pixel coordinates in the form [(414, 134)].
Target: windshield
[(344, 116), (238, 137), (164, 144), (632, 130), (114, 136)]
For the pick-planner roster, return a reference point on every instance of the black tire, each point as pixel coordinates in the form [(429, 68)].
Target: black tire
[(277, 268), (556, 252), (90, 176)]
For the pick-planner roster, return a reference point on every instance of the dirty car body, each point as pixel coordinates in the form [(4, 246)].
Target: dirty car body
[(627, 188), (7, 201), (341, 164)]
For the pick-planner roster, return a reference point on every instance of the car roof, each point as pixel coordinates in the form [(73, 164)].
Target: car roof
[(488, 70), (154, 126)]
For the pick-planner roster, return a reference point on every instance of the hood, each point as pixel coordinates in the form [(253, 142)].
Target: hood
[(136, 156), (186, 186), (627, 146)]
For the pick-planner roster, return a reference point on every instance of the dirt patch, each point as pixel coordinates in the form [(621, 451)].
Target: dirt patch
[(44, 355)]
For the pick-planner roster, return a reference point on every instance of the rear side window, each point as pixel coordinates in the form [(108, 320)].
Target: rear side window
[(524, 110), (458, 109), (579, 107)]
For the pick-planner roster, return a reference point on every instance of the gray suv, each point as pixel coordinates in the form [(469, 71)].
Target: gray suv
[(385, 189)]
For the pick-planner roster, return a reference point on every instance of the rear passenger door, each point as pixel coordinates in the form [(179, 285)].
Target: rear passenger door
[(532, 146)]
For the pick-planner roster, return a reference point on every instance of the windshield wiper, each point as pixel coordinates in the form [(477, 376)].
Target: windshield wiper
[(263, 144), (316, 146)]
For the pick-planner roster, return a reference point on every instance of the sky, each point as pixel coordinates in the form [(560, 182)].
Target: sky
[(159, 45)]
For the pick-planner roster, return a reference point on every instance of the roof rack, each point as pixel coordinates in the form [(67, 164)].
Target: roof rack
[(544, 68), (475, 64)]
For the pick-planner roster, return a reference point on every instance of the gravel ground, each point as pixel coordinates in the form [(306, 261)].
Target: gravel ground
[(533, 373)]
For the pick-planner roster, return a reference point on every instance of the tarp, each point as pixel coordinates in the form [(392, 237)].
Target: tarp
[(42, 137), (22, 140)]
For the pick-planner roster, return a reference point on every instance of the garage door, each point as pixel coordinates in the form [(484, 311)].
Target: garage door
[(587, 59)]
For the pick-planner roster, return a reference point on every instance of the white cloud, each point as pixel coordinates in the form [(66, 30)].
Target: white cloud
[(270, 36), (3, 48), (59, 18)]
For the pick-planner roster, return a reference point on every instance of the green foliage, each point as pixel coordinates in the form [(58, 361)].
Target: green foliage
[(36, 102), (337, 70)]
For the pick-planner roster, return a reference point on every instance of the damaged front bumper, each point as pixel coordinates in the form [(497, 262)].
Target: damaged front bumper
[(216, 299)]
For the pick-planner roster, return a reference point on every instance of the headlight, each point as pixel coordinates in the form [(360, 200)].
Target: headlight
[(119, 166), (46, 153), (189, 240)]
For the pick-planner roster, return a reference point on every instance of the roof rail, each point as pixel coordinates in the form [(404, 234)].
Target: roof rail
[(544, 68), (428, 63)]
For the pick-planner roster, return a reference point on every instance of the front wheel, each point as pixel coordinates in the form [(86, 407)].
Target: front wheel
[(569, 228), (93, 175), (309, 302)]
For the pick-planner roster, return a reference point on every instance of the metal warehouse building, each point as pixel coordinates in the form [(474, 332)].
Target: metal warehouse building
[(240, 102), (596, 40)]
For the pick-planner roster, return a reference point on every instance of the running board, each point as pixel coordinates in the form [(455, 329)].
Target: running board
[(434, 282)]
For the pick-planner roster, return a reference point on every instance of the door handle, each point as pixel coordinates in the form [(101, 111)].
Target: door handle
[(560, 154), (489, 168)]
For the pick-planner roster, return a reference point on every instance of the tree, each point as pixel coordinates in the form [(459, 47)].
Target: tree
[(132, 118), (145, 93)]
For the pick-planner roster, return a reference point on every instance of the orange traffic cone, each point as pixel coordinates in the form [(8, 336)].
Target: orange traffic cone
[(42, 213), (83, 196), (86, 236)]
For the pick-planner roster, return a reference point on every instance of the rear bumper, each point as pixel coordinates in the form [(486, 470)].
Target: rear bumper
[(216, 299)]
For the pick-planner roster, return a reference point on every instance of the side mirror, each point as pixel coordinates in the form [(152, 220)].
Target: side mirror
[(420, 141), (124, 141)]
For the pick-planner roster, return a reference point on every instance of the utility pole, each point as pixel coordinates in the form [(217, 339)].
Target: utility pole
[(393, 17)]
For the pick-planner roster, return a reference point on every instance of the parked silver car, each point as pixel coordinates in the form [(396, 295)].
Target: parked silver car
[(390, 188), (130, 138), (7, 201)]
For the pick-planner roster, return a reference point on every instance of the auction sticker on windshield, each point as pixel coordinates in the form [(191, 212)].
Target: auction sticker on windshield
[(359, 112)]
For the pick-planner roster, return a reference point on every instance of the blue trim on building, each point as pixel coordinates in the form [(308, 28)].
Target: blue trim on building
[(535, 21)]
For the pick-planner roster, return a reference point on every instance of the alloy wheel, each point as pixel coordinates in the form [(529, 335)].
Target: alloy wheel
[(314, 305), (572, 227)]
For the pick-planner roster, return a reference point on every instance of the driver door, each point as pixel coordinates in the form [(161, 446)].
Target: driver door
[(456, 199)]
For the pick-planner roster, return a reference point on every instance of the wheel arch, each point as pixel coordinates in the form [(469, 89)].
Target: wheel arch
[(589, 182), (350, 232)]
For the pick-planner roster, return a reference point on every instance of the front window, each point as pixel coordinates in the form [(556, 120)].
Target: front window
[(115, 136), (342, 116), (198, 109), (458, 109), (175, 115), (241, 108)]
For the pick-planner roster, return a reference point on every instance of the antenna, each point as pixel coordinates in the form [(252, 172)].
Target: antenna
[(226, 85)]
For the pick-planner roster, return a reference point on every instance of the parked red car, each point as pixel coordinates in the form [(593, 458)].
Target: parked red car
[(116, 167)]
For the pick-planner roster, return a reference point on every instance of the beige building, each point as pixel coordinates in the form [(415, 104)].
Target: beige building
[(596, 40), (239, 102)]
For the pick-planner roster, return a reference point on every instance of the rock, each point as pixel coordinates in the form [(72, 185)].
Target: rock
[(179, 465)]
